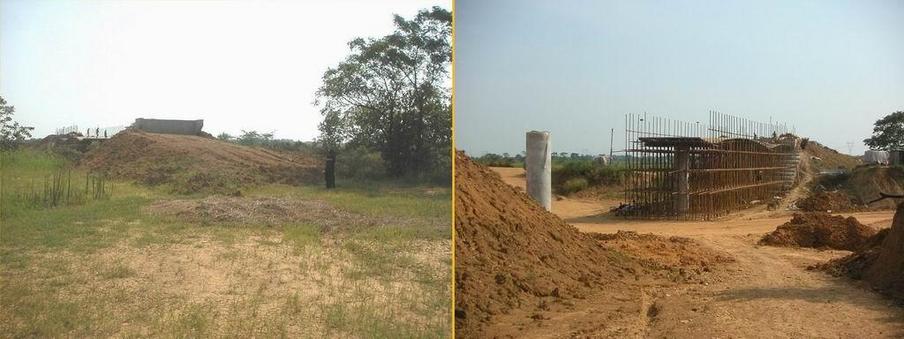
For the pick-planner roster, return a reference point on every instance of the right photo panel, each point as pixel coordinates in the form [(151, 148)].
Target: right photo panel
[(687, 169)]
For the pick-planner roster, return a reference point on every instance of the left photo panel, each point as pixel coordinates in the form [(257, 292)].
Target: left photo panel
[(225, 169)]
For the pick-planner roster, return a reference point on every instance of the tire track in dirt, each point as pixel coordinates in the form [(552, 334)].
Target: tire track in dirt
[(770, 294)]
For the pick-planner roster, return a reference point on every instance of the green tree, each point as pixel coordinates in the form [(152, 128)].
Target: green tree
[(331, 131), (254, 138), (888, 133), (391, 94), (225, 137), (11, 133)]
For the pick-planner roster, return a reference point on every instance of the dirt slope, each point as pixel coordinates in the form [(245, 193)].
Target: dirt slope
[(824, 201), (194, 163), (887, 272), (880, 263), (829, 159), (519, 264)]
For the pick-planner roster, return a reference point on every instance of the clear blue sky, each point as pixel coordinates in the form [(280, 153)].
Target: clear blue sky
[(830, 68), (250, 65)]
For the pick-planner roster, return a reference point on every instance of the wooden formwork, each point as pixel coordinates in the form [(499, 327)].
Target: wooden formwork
[(701, 171)]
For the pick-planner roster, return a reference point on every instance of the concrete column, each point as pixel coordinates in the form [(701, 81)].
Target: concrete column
[(682, 165), (539, 167)]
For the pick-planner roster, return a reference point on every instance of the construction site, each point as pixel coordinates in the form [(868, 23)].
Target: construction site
[(725, 227), (703, 171)]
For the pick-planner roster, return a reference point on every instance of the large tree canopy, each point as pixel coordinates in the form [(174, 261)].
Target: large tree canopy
[(392, 94), (11, 133), (888, 133)]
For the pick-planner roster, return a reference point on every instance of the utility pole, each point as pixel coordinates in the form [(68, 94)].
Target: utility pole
[(611, 140)]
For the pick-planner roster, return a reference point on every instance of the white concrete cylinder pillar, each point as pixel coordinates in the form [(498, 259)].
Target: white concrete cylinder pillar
[(539, 168)]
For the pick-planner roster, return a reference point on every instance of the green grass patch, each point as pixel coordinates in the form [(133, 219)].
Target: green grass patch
[(377, 199), (77, 228), (117, 270), (25, 164), (192, 322), (371, 321), (302, 236)]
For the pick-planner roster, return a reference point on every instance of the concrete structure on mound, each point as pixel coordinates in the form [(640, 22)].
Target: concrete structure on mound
[(168, 126), (896, 157), (539, 168), (875, 157)]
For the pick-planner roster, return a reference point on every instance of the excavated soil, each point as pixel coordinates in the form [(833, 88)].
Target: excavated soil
[(666, 252), (197, 164), (515, 259), (820, 230), (827, 202), (880, 262)]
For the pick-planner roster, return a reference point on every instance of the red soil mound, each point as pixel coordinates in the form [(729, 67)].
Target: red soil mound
[(512, 254), (194, 163), (880, 263), (826, 201), (661, 251), (820, 230)]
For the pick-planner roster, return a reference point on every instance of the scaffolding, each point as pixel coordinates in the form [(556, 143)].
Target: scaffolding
[(687, 171)]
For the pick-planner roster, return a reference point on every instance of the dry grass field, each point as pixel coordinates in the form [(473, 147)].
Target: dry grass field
[(278, 261)]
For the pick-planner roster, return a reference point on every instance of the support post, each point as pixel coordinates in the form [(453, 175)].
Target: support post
[(539, 167), (682, 165), (330, 170)]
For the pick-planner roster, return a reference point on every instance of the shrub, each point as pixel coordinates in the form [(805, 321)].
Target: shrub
[(574, 185), (591, 173), (496, 160), (359, 163)]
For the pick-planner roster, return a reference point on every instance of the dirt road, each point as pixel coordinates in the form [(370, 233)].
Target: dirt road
[(766, 293)]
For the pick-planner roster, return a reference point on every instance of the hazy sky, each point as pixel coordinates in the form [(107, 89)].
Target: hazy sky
[(575, 68), (251, 65)]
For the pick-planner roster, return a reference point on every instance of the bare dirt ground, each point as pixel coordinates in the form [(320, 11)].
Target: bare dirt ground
[(766, 293)]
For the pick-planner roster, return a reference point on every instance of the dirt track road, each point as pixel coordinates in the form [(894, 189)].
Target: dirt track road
[(767, 293)]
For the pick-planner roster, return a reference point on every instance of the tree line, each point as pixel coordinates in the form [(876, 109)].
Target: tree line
[(392, 95)]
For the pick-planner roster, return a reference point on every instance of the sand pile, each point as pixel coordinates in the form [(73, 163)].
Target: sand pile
[(827, 202), (512, 254), (197, 164), (820, 230), (880, 263)]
